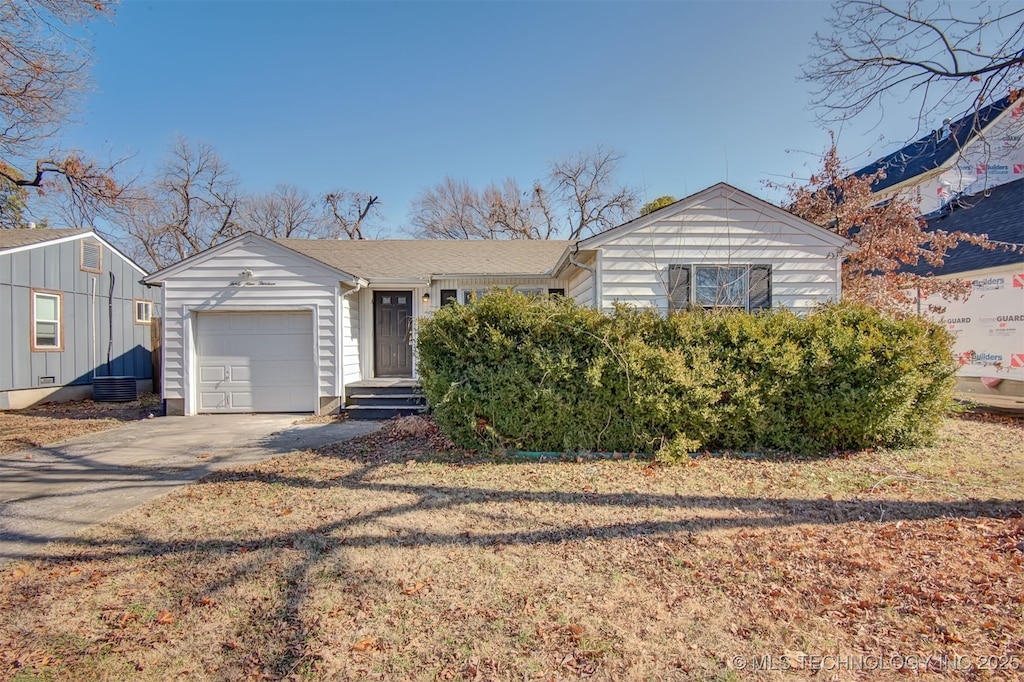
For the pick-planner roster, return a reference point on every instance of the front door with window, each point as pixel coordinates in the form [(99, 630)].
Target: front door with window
[(392, 333)]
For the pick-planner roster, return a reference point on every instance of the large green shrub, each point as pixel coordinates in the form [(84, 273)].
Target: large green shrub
[(534, 373)]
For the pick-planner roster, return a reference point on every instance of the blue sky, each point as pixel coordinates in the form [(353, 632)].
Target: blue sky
[(391, 97)]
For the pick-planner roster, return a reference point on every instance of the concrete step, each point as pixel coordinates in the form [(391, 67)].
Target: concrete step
[(407, 399), (378, 412)]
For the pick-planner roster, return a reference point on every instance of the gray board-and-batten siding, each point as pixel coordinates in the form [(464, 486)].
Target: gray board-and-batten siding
[(56, 267)]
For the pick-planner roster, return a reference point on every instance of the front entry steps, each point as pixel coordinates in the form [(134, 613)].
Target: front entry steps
[(375, 399)]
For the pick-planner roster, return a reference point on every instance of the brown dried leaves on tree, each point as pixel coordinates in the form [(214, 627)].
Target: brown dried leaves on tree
[(890, 236), (45, 59)]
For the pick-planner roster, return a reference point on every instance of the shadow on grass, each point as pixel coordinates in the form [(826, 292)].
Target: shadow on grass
[(318, 543)]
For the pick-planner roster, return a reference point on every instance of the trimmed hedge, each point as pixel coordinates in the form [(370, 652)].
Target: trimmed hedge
[(537, 373)]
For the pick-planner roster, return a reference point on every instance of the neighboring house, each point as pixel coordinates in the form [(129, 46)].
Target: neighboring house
[(55, 304), (261, 325), (965, 157), (969, 176), (989, 325)]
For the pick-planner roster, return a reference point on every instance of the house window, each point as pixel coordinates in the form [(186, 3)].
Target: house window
[(91, 257), (719, 286), (468, 294), (143, 312), (47, 328), (556, 292), (449, 296)]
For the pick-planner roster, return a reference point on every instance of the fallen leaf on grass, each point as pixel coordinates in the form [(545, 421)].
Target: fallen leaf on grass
[(20, 571), (165, 617), (415, 589), (365, 643)]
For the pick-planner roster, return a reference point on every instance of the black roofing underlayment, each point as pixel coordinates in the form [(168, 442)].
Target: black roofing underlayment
[(934, 149), (997, 212)]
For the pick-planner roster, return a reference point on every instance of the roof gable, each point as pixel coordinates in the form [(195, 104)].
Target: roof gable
[(20, 239), (248, 238), (730, 193), (13, 241), (937, 148)]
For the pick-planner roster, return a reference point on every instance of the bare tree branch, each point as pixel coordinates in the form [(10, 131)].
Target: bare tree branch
[(348, 212), (956, 56)]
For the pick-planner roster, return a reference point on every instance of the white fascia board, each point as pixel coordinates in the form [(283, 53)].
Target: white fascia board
[(49, 242), (384, 282), (494, 275), (243, 239), (84, 235)]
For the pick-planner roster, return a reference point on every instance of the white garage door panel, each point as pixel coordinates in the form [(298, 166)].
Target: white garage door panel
[(255, 362)]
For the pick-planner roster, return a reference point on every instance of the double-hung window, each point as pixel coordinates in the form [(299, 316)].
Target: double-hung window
[(721, 286), (143, 311), (718, 286), (47, 327)]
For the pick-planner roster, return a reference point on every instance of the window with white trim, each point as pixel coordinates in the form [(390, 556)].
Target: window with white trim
[(47, 312), (143, 311)]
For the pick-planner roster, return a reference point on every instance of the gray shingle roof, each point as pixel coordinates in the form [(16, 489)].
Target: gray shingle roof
[(10, 239), (999, 213), (414, 258)]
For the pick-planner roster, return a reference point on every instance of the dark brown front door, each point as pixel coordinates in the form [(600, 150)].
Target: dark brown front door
[(392, 333)]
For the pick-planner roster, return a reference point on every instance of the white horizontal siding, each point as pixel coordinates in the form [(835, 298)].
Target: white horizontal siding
[(581, 286), (718, 232), (206, 286), (350, 339), (472, 284)]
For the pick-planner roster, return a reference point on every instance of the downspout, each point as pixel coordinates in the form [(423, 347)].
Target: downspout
[(110, 320), (589, 268), (341, 360)]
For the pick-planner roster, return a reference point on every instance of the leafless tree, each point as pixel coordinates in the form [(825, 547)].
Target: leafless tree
[(449, 210), (348, 213), (286, 211), (584, 185), (44, 60), (579, 196), (956, 56), (192, 205)]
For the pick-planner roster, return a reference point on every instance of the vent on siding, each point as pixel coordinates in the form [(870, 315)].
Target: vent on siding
[(114, 389), (92, 257), (47, 381)]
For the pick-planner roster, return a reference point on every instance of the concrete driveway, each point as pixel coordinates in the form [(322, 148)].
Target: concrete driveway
[(52, 492)]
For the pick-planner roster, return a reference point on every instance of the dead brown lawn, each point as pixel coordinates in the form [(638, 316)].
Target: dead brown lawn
[(55, 422), (385, 559)]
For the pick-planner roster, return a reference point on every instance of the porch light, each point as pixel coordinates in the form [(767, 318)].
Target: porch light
[(426, 298)]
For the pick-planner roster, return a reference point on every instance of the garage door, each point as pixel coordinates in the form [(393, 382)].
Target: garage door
[(255, 362)]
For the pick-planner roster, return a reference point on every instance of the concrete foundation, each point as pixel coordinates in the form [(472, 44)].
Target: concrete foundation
[(30, 397)]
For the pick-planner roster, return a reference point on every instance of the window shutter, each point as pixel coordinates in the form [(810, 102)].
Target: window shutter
[(760, 287), (449, 296), (678, 287)]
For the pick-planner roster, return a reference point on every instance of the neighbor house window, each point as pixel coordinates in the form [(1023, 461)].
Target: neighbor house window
[(91, 257), (719, 286), (143, 312), (47, 329)]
